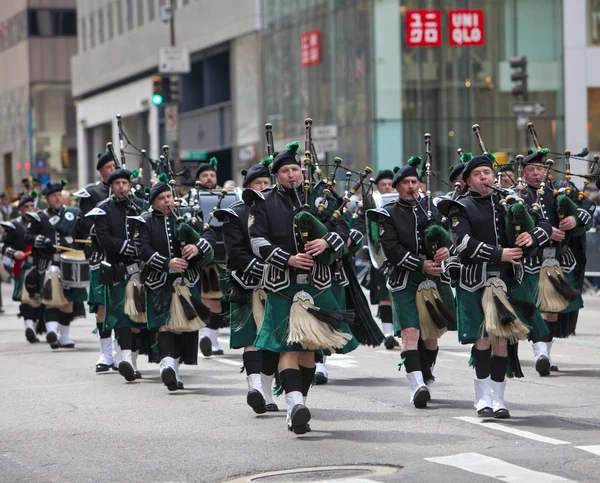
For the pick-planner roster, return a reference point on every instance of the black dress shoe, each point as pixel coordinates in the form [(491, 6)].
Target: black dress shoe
[(102, 368), (114, 367), (553, 368), (126, 370), (217, 352), (501, 414), (256, 401), (206, 346), (390, 342), (542, 366), (180, 385), (320, 378), (30, 335), (52, 339), (70, 345), (421, 397), (272, 408), (138, 374), (485, 412), (299, 418), (169, 379)]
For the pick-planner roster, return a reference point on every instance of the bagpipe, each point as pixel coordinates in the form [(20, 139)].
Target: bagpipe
[(554, 291), (434, 316)]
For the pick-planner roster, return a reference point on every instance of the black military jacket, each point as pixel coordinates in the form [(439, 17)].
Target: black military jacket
[(274, 236), (90, 196), (59, 226), (114, 231), (246, 269), (14, 238), (478, 230), (156, 243)]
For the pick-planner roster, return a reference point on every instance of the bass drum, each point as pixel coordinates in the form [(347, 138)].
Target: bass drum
[(207, 206), (378, 200)]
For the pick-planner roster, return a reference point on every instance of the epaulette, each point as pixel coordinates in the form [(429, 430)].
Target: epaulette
[(8, 224), (96, 212), (137, 218), (250, 196), (223, 213), (375, 213), (34, 215), (82, 193)]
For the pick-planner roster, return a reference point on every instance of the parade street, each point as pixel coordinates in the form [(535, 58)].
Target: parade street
[(61, 422)]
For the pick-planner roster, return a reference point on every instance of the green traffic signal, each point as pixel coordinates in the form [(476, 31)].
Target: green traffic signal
[(157, 99)]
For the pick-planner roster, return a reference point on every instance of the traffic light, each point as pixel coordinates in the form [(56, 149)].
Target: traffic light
[(519, 76), (157, 90), (174, 89)]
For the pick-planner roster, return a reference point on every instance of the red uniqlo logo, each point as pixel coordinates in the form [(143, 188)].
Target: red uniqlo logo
[(423, 28), (310, 48), (466, 27)]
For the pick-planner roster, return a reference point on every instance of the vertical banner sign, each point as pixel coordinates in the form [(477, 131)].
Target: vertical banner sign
[(310, 48), (466, 28), (423, 28)]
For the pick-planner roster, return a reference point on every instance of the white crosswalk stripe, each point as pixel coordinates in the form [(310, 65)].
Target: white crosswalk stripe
[(496, 468), (507, 429)]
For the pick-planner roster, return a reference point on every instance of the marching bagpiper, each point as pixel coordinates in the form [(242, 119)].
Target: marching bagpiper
[(486, 269), (114, 232), (90, 196), (16, 247), (298, 287), (247, 296), (173, 304)]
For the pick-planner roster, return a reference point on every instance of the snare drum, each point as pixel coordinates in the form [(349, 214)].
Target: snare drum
[(75, 269)]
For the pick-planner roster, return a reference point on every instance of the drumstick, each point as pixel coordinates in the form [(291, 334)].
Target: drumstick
[(82, 241), (59, 247)]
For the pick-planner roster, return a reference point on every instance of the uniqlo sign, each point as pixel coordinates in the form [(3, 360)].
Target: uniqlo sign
[(310, 48), (466, 27), (423, 28)]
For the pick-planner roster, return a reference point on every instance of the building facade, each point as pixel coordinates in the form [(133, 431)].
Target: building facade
[(380, 74), (220, 108), (37, 116)]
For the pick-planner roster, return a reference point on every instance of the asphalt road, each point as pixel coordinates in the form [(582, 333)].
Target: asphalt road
[(60, 422)]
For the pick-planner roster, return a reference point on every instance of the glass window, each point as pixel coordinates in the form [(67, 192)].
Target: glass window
[(83, 36), (119, 7), (100, 26), (129, 13), (594, 22), (140, 12), (52, 23), (109, 21), (151, 10)]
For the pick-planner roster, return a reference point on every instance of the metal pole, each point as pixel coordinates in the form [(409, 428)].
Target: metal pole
[(173, 138)]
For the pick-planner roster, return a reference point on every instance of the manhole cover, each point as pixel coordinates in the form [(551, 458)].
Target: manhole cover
[(356, 473)]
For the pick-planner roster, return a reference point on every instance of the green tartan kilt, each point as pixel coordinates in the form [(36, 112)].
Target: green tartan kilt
[(243, 327), (274, 330), (339, 293), (530, 280), (18, 288), (77, 295), (96, 294), (153, 317), (526, 292), (575, 304), (404, 304), (378, 291), (114, 301)]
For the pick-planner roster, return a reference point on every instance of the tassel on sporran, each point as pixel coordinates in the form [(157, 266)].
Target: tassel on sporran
[(135, 300), (308, 331), (432, 321), (259, 298), (554, 292), (183, 317), (500, 319), (53, 294), (211, 288)]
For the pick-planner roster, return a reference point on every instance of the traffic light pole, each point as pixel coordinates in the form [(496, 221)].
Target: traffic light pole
[(172, 109)]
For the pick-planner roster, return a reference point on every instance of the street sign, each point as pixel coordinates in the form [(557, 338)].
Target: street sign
[(528, 108), (324, 132), (325, 145), (40, 165), (174, 60), (192, 155)]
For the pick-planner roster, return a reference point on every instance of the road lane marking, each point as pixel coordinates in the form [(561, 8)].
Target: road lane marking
[(495, 468), (226, 361), (507, 429), (595, 449)]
